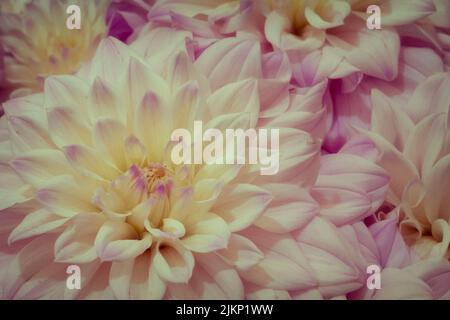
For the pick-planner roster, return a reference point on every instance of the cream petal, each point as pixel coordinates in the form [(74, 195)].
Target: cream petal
[(135, 151), (435, 273), (32, 258), (298, 159), (173, 263), (436, 201), (284, 266), (210, 233), (400, 12), (218, 61), (206, 193), (401, 171), (338, 10), (89, 162), (25, 134), (50, 283), (440, 231), (439, 17), (430, 96), (241, 96), (36, 223), (240, 120), (426, 142), (98, 288), (275, 26), (389, 121), (276, 65), (66, 127), (145, 282), (117, 241), (109, 137), (291, 208), (262, 293), (63, 196), (30, 108), (241, 204), (65, 91), (211, 279), (12, 188), (224, 173), (120, 278), (102, 101), (141, 79), (76, 243), (374, 53), (180, 71), (187, 105), (181, 200), (152, 126), (110, 63), (227, 279), (170, 41), (37, 166), (241, 252), (342, 206), (274, 97), (331, 258), (305, 121), (319, 65), (354, 192), (157, 207), (398, 284)]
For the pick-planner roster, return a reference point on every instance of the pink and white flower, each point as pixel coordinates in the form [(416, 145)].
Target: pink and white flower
[(86, 179)]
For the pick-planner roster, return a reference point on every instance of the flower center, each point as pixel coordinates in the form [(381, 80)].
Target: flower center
[(153, 175)]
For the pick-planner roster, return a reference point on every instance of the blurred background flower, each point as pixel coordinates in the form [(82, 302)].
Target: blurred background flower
[(415, 149), (36, 42)]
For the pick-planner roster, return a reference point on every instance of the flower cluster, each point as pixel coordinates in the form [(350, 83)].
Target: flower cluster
[(87, 177)]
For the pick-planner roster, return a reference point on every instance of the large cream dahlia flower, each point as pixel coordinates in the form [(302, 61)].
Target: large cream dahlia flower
[(87, 179), (36, 42)]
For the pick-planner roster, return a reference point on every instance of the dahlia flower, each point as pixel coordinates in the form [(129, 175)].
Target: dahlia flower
[(351, 104), (414, 143), (36, 42), (403, 275), (87, 180), (322, 34)]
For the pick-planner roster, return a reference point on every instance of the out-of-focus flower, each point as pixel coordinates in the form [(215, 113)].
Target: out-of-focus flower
[(351, 104), (125, 17), (414, 141), (87, 179), (332, 32), (13, 6), (432, 31), (36, 42), (403, 275)]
